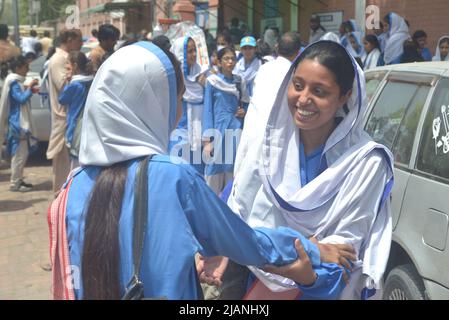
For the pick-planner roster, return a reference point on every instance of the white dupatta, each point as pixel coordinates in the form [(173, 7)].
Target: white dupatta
[(25, 112), (334, 206)]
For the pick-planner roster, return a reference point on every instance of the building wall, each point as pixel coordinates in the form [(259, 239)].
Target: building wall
[(431, 16), (133, 21)]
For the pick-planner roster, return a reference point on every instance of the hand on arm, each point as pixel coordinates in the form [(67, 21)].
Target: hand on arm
[(300, 271)]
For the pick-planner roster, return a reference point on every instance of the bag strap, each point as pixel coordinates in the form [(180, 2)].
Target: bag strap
[(140, 213)]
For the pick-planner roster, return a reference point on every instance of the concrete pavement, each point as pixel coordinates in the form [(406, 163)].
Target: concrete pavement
[(24, 254)]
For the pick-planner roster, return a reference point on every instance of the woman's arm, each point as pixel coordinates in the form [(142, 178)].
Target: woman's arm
[(18, 95)]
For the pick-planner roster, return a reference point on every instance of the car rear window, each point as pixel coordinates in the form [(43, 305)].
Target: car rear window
[(388, 111), (433, 154)]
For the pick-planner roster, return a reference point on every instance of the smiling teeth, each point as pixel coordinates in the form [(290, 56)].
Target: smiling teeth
[(305, 113)]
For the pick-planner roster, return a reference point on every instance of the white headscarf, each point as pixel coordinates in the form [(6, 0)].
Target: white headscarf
[(131, 107), (397, 35), (269, 193), (331, 36), (25, 114), (270, 38), (193, 96), (194, 91), (358, 36), (437, 56)]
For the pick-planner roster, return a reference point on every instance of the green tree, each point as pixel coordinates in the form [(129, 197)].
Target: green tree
[(53, 9)]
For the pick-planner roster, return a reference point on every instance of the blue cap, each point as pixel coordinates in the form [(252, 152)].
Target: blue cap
[(248, 41)]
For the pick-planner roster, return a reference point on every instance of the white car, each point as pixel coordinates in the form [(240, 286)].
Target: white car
[(409, 113)]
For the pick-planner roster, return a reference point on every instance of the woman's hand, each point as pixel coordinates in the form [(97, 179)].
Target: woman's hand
[(211, 270), (240, 112), (300, 271), (340, 254)]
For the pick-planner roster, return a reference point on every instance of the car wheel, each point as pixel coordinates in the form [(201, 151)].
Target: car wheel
[(404, 283)]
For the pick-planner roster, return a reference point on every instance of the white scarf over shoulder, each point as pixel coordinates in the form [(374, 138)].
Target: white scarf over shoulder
[(131, 107), (397, 35), (25, 112), (347, 203)]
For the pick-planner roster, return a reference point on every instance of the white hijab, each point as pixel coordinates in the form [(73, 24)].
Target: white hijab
[(268, 192), (397, 35), (194, 91), (25, 112), (131, 107), (437, 56), (358, 36), (331, 36)]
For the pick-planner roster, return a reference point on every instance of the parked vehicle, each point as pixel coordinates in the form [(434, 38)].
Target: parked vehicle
[(409, 112)]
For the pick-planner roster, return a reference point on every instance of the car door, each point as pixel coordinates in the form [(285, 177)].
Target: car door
[(394, 117), (424, 223)]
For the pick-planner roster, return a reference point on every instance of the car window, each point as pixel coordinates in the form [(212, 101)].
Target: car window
[(433, 156), (373, 80), (387, 113), (402, 148)]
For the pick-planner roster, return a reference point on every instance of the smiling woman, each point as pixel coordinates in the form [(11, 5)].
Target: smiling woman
[(317, 171)]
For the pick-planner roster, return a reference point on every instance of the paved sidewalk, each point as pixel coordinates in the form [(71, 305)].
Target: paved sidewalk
[(24, 255)]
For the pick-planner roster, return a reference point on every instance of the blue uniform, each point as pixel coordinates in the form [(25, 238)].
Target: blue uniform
[(17, 99), (219, 113), (179, 225), (74, 97)]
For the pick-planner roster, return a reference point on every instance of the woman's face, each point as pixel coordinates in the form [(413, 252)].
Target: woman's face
[(368, 46), (354, 43), (23, 70), (386, 25), (248, 52), (221, 42), (314, 96), (444, 49), (191, 53), (227, 63)]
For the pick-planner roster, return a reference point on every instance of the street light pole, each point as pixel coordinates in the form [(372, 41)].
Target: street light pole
[(15, 13)]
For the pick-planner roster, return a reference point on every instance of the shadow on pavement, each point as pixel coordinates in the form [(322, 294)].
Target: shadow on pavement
[(16, 205)]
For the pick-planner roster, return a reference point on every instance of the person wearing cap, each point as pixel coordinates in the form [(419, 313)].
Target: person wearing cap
[(248, 65)]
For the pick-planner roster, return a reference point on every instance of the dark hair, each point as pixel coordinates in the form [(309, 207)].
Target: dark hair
[(17, 62), (108, 31), (348, 26), (371, 38), (419, 34), (101, 253), (226, 36), (4, 31), (335, 58), (68, 34), (263, 49), (37, 47), (222, 52), (84, 65), (411, 53), (51, 52), (162, 42), (94, 32), (33, 33), (47, 34), (315, 19), (30, 56), (289, 44)]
